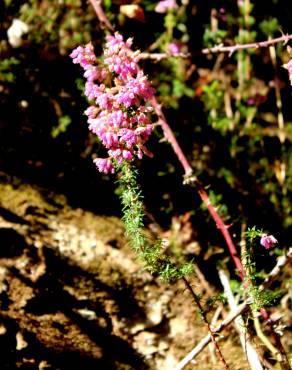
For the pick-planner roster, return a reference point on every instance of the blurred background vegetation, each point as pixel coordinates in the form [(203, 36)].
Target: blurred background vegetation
[(231, 113)]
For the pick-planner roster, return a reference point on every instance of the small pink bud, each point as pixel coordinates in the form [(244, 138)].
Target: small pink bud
[(268, 241), (127, 155), (164, 5), (174, 48)]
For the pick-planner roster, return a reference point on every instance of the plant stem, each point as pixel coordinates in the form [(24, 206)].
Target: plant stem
[(191, 179), (220, 49), (250, 352), (281, 263), (283, 359), (203, 314), (96, 4)]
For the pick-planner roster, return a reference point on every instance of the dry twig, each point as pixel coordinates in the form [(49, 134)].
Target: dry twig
[(219, 49), (248, 349), (281, 263)]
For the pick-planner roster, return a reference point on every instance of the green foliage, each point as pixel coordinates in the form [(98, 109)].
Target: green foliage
[(238, 103), (213, 38), (259, 298), (253, 233), (6, 69), (263, 298), (269, 27), (213, 301), (173, 84), (62, 126), (151, 254), (61, 25)]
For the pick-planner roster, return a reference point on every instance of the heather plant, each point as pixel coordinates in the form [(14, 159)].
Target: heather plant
[(226, 96), (259, 298), (121, 96), (118, 116)]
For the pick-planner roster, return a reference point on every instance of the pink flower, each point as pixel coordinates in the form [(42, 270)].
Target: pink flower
[(83, 55), (289, 67), (120, 95), (268, 241), (104, 165), (165, 5), (174, 48)]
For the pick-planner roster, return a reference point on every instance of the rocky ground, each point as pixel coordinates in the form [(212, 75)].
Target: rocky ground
[(73, 295)]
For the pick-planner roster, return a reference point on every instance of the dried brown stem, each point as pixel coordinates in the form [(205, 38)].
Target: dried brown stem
[(220, 49), (251, 45), (283, 358), (160, 56), (281, 263), (207, 339), (203, 314), (249, 350)]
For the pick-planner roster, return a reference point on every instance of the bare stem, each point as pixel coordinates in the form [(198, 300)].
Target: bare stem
[(169, 136), (283, 359), (203, 314), (281, 263), (249, 350), (190, 178), (251, 45), (220, 49), (96, 4)]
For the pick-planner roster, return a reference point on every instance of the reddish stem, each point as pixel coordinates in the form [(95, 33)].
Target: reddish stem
[(203, 313), (96, 4), (223, 228), (168, 134), (203, 194)]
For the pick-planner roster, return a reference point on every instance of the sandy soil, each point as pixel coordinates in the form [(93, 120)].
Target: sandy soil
[(73, 295)]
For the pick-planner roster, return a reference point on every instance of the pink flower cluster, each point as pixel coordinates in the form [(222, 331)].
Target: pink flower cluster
[(119, 92)]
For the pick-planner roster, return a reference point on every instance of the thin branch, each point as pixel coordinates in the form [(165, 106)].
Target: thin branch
[(264, 338), (191, 179), (281, 263), (223, 228), (219, 49), (213, 323), (207, 339), (96, 4), (203, 314), (280, 115), (160, 56), (169, 136), (251, 45), (248, 349)]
